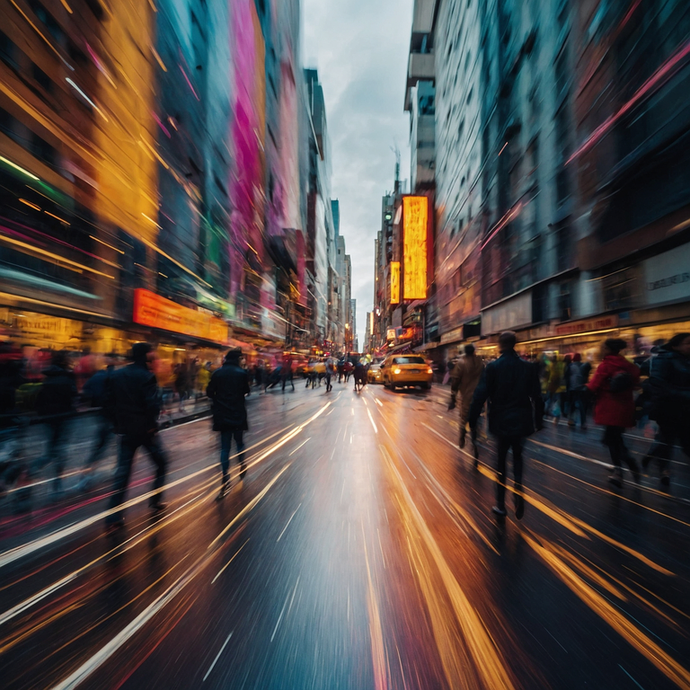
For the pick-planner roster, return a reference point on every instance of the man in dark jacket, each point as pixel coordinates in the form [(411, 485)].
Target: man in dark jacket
[(511, 386), (227, 390), (132, 394), (94, 392), (55, 404), (669, 390)]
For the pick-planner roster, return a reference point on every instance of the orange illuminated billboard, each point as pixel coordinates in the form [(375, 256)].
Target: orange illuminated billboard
[(155, 311), (395, 282), (415, 246)]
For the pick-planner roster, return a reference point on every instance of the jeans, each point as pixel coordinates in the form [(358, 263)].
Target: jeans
[(504, 444), (226, 437), (613, 438), (328, 382), (104, 432), (128, 447), (286, 378)]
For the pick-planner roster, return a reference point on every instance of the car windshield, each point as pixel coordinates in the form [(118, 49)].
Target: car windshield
[(375, 366), (408, 360)]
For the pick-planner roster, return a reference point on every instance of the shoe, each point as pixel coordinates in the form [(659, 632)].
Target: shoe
[(501, 512), (115, 527), (615, 479), (463, 434), (224, 489), (665, 479), (158, 508), (519, 507)]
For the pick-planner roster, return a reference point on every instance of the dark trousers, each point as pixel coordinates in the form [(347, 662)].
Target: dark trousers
[(128, 447), (613, 438), (226, 437), (104, 432), (328, 382), (57, 431), (504, 444), (577, 400), (286, 378), (666, 438)]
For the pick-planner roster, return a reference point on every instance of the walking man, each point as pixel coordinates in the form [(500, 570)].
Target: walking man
[(511, 386), (227, 390), (464, 379), (94, 391), (330, 373), (132, 394)]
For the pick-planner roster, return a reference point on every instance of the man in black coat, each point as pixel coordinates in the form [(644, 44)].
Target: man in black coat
[(227, 390), (132, 395), (55, 404), (516, 408)]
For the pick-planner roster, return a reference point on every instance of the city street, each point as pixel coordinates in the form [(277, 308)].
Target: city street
[(359, 552)]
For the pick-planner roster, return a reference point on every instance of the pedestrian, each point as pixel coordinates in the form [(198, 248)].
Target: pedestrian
[(612, 384), (55, 403), (227, 390), (515, 411), (669, 406), (330, 373), (556, 387), (576, 376), (464, 379), (132, 394), (286, 373), (94, 392)]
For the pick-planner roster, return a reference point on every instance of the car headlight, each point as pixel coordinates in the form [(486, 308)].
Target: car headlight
[(397, 371), (429, 371)]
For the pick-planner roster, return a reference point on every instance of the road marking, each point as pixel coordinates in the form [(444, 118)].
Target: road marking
[(288, 523), (217, 657), (373, 423), (294, 591), (220, 572), (301, 444), (352, 409), (378, 402)]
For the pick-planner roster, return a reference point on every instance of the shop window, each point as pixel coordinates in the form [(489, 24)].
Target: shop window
[(565, 303), (43, 150)]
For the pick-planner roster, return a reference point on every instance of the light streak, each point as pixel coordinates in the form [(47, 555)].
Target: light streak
[(18, 167), (110, 246), (8, 296), (57, 257), (189, 83), (158, 59), (30, 204), (81, 93), (664, 72), (52, 215), (510, 215), (503, 148), (151, 220), (230, 635), (66, 6)]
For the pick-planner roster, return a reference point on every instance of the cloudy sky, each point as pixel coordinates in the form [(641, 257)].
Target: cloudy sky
[(360, 49)]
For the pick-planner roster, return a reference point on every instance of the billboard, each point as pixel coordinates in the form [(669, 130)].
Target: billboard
[(415, 246), (155, 311), (395, 282)]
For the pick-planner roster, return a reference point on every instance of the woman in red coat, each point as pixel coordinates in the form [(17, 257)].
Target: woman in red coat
[(613, 384)]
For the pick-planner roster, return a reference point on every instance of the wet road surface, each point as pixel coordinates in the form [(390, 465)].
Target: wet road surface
[(359, 552)]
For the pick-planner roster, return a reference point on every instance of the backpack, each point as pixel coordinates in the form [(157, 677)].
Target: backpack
[(621, 382)]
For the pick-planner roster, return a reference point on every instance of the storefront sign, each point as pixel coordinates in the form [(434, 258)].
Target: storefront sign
[(415, 225), (452, 336), (395, 282), (390, 334), (667, 276), (155, 311), (586, 326), (508, 315)]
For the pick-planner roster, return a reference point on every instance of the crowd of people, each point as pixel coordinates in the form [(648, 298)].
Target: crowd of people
[(518, 392)]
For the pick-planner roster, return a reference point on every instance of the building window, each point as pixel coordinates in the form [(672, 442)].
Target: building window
[(41, 78), (8, 52)]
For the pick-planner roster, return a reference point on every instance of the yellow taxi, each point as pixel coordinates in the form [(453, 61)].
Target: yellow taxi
[(374, 374), (406, 370)]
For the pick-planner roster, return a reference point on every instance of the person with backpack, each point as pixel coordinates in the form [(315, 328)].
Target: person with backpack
[(668, 394), (612, 385)]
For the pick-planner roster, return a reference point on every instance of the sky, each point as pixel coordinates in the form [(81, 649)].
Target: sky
[(360, 49)]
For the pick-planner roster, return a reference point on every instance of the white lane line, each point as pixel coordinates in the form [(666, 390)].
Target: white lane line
[(365, 402), (352, 409), (294, 591), (217, 657), (301, 444), (103, 654), (220, 572), (288, 523), (378, 402), (37, 544), (373, 423)]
